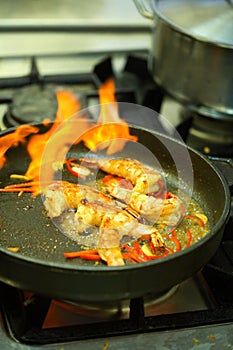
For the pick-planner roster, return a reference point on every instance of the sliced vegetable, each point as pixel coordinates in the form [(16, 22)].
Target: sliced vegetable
[(202, 219), (77, 169), (189, 238), (85, 254), (174, 238), (14, 249)]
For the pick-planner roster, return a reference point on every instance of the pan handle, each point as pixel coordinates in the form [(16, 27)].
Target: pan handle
[(225, 165), (144, 9)]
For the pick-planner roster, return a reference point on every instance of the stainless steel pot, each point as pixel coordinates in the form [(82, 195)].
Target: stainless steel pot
[(192, 52)]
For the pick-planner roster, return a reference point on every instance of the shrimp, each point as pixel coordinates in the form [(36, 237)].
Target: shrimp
[(93, 214), (155, 209), (173, 211), (113, 223), (95, 208), (143, 179), (62, 196)]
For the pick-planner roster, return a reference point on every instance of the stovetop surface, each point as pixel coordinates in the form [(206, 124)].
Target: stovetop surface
[(199, 338)]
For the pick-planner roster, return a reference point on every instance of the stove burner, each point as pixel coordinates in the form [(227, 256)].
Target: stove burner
[(113, 307), (25, 319), (207, 134), (31, 104)]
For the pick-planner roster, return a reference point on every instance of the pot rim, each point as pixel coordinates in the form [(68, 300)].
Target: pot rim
[(185, 31)]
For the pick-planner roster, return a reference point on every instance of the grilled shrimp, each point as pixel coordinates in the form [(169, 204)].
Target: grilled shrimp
[(160, 210), (143, 179), (97, 209), (62, 196), (114, 223)]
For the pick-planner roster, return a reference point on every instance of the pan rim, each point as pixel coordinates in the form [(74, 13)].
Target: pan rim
[(100, 268)]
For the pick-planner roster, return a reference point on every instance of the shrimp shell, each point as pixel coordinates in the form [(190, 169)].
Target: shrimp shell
[(144, 179), (62, 196), (158, 210)]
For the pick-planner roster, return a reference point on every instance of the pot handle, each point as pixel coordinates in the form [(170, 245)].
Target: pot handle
[(225, 165), (144, 9)]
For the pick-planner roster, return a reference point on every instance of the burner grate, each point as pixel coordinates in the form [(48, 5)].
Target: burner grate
[(24, 321), (33, 99)]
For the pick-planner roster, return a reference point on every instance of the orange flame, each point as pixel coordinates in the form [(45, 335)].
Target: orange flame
[(68, 105), (111, 131), (13, 139)]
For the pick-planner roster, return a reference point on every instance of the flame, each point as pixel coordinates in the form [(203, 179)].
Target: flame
[(111, 131), (13, 139), (68, 105)]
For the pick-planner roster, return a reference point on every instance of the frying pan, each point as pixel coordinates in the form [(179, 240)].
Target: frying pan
[(40, 266)]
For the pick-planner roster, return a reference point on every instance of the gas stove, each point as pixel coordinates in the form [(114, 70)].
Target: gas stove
[(197, 306), (198, 312)]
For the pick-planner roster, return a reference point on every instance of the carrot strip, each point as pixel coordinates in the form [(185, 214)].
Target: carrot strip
[(80, 253), (24, 184), (90, 257), (21, 189)]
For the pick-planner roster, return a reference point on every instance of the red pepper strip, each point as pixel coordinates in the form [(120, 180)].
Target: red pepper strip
[(155, 255), (170, 250), (176, 241), (152, 247), (138, 249), (201, 222), (70, 169), (159, 256), (81, 253), (169, 195), (133, 254), (135, 257), (189, 237), (127, 256)]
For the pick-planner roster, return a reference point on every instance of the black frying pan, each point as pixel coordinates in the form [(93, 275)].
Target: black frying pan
[(40, 267)]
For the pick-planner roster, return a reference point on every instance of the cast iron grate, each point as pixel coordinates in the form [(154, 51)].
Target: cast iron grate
[(24, 322), (31, 98)]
